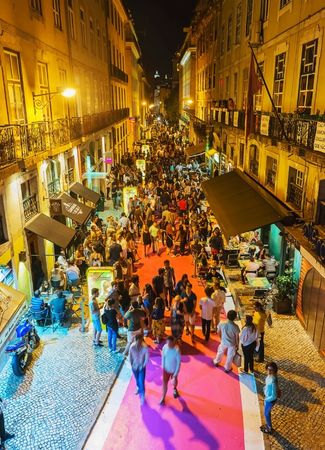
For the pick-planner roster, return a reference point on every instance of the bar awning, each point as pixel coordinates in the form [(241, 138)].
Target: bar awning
[(240, 204), (81, 190), (195, 150), (51, 230), (73, 209)]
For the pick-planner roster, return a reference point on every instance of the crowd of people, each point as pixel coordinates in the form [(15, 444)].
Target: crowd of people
[(167, 215)]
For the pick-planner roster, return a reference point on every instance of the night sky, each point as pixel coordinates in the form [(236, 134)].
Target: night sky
[(159, 25)]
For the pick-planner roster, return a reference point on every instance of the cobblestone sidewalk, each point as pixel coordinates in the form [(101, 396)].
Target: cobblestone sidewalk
[(53, 406), (299, 416)]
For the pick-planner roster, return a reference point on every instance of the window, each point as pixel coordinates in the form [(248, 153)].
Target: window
[(64, 101), (245, 86), (284, 3), (57, 14), (279, 72), (271, 171), (92, 36), (99, 42), (295, 187), (15, 87), (235, 86), (238, 24), (44, 88), (104, 45), (222, 40), (29, 196), (249, 14), (83, 28), (71, 23), (227, 87), (3, 226), (258, 95), (307, 75), (36, 6), (214, 76), (253, 159), (229, 36), (264, 10)]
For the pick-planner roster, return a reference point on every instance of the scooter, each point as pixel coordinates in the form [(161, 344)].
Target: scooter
[(21, 349)]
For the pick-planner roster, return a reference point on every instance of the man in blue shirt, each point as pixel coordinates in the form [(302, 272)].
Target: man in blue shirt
[(58, 306), (38, 307)]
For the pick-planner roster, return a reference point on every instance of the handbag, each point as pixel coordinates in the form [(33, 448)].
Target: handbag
[(237, 359)]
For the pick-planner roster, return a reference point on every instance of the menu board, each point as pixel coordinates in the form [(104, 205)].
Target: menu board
[(100, 278)]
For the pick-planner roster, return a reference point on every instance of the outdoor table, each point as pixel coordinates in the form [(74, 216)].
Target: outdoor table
[(258, 282)]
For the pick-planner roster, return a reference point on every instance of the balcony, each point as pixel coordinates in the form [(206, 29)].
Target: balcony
[(70, 176), (299, 131), (30, 206), (54, 188), (294, 195), (21, 141), (116, 72), (230, 118)]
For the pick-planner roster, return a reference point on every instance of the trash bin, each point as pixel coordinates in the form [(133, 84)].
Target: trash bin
[(101, 203)]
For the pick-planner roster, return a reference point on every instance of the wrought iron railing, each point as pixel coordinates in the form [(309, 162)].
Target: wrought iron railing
[(295, 130), (54, 188), (116, 72), (230, 118), (294, 195), (70, 176), (30, 206), (20, 141)]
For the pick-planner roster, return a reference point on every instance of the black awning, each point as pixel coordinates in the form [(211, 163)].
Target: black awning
[(240, 204), (73, 209), (51, 229), (195, 150), (86, 193)]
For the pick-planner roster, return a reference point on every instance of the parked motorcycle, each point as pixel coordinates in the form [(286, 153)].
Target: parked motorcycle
[(21, 349)]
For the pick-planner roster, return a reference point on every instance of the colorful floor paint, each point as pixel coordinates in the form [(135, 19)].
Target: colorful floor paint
[(208, 415)]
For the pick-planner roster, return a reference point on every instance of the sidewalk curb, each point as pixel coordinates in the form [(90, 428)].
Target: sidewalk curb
[(99, 410)]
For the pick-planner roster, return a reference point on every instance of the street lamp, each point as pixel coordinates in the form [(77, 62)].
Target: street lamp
[(39, 103), (144, 103)]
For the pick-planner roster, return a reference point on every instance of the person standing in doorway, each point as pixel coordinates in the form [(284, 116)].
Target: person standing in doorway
[(248, 338), (171, 364), (229, 332), (139, 356), (95, 317), (206, 306)]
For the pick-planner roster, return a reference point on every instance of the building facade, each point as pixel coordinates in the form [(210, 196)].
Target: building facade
[(284, 151), (50, 139)]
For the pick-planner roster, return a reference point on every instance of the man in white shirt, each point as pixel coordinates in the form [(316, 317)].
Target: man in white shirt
[(171, 363), (229, 332), (207, 306), (139, 357), (251, 269), (124, 221), (219, 298)]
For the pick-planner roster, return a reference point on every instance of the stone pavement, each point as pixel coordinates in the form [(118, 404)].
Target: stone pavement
[(299, 416), (54, 405)]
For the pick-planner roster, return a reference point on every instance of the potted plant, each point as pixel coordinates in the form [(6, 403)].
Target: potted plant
[(284, 290)]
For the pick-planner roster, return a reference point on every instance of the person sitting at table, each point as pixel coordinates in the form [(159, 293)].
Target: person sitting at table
[(73, 274), (57, 278), (38, 307), (58, 304), (251, 269), (261, 252), (270, 265)]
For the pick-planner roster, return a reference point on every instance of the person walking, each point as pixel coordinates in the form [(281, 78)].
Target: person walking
[(146, 239), (95, 317), (139, 357), (248, 337), (259, 319), (219, 298), (271, 394), (229, 332), (111, 316), (135, 317), (177, 318), (158, 321), (171, 364), (169, 282), (189, 300), (206, 306)]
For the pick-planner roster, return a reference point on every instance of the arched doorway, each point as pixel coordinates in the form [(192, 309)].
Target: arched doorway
[(313, 307)]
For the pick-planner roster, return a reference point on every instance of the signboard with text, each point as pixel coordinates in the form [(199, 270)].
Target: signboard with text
[(319, 142), (265, 123)]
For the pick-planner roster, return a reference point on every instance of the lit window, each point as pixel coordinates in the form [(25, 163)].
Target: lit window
[(307, 75), (284, 3), (280, 61), (92, 36), (83, 28), (71, 20), (258, 95), (44, 88), (57, 14), (229, 36)]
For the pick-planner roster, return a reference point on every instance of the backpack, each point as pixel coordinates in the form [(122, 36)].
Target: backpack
[(104, 318)]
